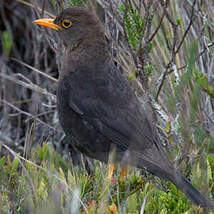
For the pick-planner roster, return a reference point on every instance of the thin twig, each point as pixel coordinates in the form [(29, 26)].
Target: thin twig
[(30, 86), (35, 69), (161, 84), (188, 28), (27, 114), (157, 28), (38, 115), (40, 10), (178, 48), (205, 49)]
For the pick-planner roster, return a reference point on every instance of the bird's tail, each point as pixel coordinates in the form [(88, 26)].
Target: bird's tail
[(190, 191), (167, 172)]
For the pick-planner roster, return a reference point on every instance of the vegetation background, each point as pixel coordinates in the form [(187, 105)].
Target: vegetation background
[(165, 49)]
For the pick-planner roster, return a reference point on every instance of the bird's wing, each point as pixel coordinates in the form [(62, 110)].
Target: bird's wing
[(107, 103)]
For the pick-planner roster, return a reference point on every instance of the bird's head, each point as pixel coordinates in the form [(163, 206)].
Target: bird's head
[(74, 25)]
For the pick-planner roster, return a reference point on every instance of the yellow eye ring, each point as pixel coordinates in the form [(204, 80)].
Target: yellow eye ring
[(66, 23)]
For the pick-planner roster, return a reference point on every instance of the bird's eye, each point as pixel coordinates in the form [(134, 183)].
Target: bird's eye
[(66, 23)]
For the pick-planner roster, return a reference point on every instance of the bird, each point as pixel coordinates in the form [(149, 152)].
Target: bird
[(98, 110)]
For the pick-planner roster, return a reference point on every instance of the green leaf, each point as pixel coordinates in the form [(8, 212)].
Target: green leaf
[(15, 164), (210, 91), (6, 42), (62, 175), (132, 203), (209, 171), (150, 46), (170, 138), (131, 77), (2, 161), (148, 69), (168, 127), (178, 20)]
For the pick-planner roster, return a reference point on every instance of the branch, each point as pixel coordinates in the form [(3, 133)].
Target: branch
[(205, 49), (179, 46), (27, 114), (158, 27), (187, 30), (35, 69), (36, 7), (30, 86)]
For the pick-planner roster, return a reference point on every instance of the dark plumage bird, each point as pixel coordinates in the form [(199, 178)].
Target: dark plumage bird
[(98, 109)]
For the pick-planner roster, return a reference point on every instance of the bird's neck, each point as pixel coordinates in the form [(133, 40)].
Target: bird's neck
[(89, 54)]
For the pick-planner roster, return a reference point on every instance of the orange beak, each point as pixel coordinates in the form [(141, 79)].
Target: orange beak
[(47, 23)]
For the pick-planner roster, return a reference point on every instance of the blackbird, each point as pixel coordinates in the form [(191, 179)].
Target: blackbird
[(97, 108)]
